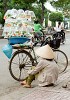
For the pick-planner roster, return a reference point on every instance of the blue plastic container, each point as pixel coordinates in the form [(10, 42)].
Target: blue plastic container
[(7, 50), (17, 40)]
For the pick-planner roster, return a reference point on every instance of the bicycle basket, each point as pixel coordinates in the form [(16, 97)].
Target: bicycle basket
[(17, 40), (55, 43)]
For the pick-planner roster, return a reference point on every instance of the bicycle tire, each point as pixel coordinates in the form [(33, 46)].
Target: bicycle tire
[(61, 59), (20, 63), (63, 36)]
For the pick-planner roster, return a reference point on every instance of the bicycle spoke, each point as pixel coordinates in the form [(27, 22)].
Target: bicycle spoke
[(15, 63), (20, 63), (20, 75), (61, 59)]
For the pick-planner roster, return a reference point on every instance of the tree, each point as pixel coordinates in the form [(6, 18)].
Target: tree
[(63, 5), (43, 8), (26, 5), (29, 1), (66, 11), (5, 5), (38, 12), (60, 3), (1, 17), (21, 4), (55, 16)]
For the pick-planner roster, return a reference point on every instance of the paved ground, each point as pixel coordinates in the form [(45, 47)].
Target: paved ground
[(56, 92)]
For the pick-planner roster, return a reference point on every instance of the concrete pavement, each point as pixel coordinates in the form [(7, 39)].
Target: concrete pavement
[(56, 92), (41, 93)]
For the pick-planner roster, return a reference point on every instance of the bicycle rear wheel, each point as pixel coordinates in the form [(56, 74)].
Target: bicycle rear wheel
[(20, 63), (61, 59)]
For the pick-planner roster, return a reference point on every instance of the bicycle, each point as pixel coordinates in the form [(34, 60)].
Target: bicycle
[(24, 57), (39, 38)]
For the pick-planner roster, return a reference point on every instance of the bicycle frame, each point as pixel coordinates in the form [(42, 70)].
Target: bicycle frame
[(24, 58), (30, 48)]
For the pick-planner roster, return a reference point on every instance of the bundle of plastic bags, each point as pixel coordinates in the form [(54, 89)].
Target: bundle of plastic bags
[(18, 22)]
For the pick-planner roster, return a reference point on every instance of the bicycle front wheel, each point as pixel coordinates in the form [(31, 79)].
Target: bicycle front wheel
[(20, 63), (61, 59)]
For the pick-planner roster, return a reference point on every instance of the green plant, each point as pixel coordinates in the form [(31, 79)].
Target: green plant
[(1, 18), (55, 16)]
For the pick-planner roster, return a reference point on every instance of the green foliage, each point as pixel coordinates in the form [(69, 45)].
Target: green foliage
[(38, 12), (63, 5), (21, 4), (29, 1), (1, 6), (43, 8), (1, 18), (23, 1), (56, 16), (42, 1), (66, 11), (25, 4), (60, 3)]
